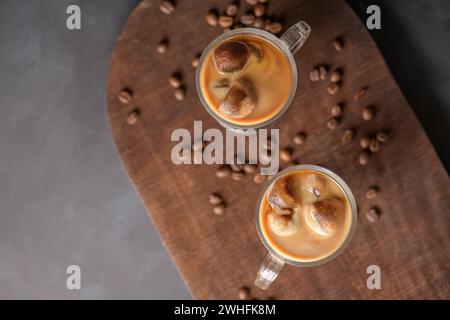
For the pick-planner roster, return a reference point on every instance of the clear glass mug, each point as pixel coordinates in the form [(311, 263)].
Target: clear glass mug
[(274, 260), (289, 43)]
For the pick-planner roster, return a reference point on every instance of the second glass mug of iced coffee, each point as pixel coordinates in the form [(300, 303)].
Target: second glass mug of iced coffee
[(305, 216), (247, 78)]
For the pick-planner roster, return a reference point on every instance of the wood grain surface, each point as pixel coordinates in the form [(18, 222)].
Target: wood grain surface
[(218, 254)]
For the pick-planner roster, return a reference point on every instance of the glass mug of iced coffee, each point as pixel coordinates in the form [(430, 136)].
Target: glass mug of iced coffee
[(305, 216), (246, 78)]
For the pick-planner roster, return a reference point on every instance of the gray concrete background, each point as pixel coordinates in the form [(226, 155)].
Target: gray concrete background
[(64, 197)]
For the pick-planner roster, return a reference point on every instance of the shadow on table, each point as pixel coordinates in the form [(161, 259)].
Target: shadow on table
[(399, 47)]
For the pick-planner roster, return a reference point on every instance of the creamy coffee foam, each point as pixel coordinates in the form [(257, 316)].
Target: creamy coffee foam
[(246, 79), (305, 216)]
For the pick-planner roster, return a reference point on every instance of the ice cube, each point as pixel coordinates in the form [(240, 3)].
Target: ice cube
[(283, 224), (324, 216), (240, 99), (280, 196), (314, 186), (230, 56)]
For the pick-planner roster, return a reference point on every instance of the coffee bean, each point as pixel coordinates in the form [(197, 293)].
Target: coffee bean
[(249, 168), (232, 9), (364, 158), (286, 154), (364, 142), (382, 137), (215, 198), (338, 44), (359, 94), (336, 75), (219, 209), (196, 60), (371, 193), (167, 7), (244, 293), (259, 23), (125, 96), (238, 26), (247, 19), (333, 88), (314, 75), (367, 113), (180, 93), (299, 138), (223, 172), (226, 21), (323, 72), (212, 17), (373, 214), (274, 27), (133, 117), (263, 1), (163, 45), (336, 110), (175, 80), (252, 2), (347, 136), (259, 10), (259, 178), (236, 167), (237, 176), (374, 145), (332, 123)]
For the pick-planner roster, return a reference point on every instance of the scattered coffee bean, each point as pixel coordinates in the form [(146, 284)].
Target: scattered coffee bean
[(232, 9), (314, 75), (180, 93), (238, 26), (371, 193), (219, 208), (374, 145), (274, 27), (249, 168), (347, 136), (359, 94), (215, 198), (223, 172), (196, 60), (263, 1), (299, 138), (237, 176), (333, 88), (286, 154), (125, 96), (167, 7), (244, 293), (163, 45), (236, 167), (259, 178), (332, 123), (336, 75), (247, 19), (252, 2), (259, 10), (364, 142), (367, 113), (338, 44), (212, 17), (133, 117), (382, 137), (336, 110), (175, 80), (226, 21), (364, 158), (373, 214), (323, 72), (259, 23)]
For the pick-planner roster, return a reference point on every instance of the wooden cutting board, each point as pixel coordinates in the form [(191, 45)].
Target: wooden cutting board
[(218, 254)]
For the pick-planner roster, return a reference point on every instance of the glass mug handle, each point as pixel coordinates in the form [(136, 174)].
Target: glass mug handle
[(296, 36), (268, 271)]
